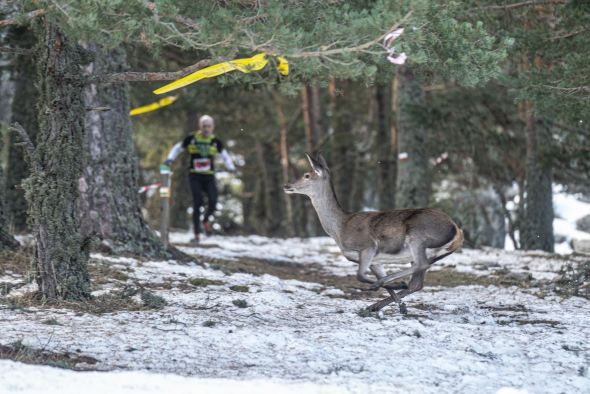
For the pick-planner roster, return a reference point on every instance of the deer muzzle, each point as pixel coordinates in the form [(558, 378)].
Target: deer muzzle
[(288, 188)]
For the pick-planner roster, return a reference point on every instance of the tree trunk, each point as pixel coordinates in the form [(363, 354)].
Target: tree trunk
[(52, 188), (344, 145), (109, 203), (284, 154), (269, 210), (537, 225), (6, 91), (24, 112), (413, 173), (386, 154), (311, 122)]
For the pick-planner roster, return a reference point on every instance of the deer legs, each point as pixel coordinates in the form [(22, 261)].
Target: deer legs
[(379, 272), (365, 262), (420, 264)]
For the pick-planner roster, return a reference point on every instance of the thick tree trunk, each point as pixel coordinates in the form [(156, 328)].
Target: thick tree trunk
[(24, 112), (536, 229), (109, 203), (386, 160), (413, 173), (52, 188)]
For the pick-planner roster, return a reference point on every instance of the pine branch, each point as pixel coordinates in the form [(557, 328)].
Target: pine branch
[(183, 20), (507, 7), (27, 145), (134, 76), (323, 52), (30, 15)]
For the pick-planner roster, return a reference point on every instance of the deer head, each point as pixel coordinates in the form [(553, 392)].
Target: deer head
[(313, 183)]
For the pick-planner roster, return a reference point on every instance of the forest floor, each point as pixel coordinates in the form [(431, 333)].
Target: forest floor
[(270, 315)]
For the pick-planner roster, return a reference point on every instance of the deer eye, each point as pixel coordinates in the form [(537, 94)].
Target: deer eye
[(307, 176)]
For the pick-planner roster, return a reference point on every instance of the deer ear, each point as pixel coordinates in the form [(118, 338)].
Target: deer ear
[(320, 159), (317, 167)]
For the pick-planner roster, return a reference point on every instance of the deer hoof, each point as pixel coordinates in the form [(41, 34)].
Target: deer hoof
[(403, 309)]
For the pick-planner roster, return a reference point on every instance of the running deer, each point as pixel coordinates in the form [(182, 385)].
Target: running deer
[(422, 236)]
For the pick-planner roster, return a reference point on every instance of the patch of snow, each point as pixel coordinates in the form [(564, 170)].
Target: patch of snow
[(325, 254), (21, 378), (294, 335)]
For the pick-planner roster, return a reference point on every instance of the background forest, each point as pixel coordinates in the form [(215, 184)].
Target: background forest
[(487, 116)]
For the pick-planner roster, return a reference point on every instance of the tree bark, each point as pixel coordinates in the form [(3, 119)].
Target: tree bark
[(23, 112), (109, 205), (52, 189), (413, 173)]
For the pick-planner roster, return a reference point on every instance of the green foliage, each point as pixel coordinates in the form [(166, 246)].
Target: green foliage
[(152, 300), (240, 289), (203, 282), (320, 38)]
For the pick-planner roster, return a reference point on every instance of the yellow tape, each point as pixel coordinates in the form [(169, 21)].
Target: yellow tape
[(246, 65), (153, 106), (283, 65)]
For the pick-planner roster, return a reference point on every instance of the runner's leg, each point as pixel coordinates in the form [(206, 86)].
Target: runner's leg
[(211, 190), (197, 191)]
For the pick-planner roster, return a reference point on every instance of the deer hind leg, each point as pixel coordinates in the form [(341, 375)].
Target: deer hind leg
[(393, 296), (379, 272), (419, 264), (416, 283)]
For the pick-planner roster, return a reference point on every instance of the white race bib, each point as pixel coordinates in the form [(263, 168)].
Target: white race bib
[(202, 165)]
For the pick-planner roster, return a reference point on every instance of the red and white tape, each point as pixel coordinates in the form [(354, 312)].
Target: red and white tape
[(144, 189)]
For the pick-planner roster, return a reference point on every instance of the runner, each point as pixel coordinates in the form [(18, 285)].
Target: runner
[(202, 146)]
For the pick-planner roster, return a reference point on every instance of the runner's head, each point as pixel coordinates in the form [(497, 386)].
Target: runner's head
[(206, 124)]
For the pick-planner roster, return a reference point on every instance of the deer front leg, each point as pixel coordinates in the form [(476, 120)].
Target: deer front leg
[(365, 260)]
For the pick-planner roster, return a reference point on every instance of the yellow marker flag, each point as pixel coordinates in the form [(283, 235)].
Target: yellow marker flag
[(283, 65), (246, 65), (153, 106)]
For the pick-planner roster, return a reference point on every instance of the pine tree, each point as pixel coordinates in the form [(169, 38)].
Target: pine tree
[(304, 32)]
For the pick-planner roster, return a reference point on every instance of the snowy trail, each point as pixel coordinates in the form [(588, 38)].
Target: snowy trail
[(297, 336)]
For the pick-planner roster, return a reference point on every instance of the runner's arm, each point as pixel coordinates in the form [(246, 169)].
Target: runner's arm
[(175, 151), (229, 163)]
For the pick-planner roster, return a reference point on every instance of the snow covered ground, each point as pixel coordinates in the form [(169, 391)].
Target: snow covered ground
[(286, 335)]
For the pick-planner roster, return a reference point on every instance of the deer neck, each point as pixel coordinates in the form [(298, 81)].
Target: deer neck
[(329, 211)]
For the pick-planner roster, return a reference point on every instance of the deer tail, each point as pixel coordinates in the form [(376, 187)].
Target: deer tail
[(454, 245)]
